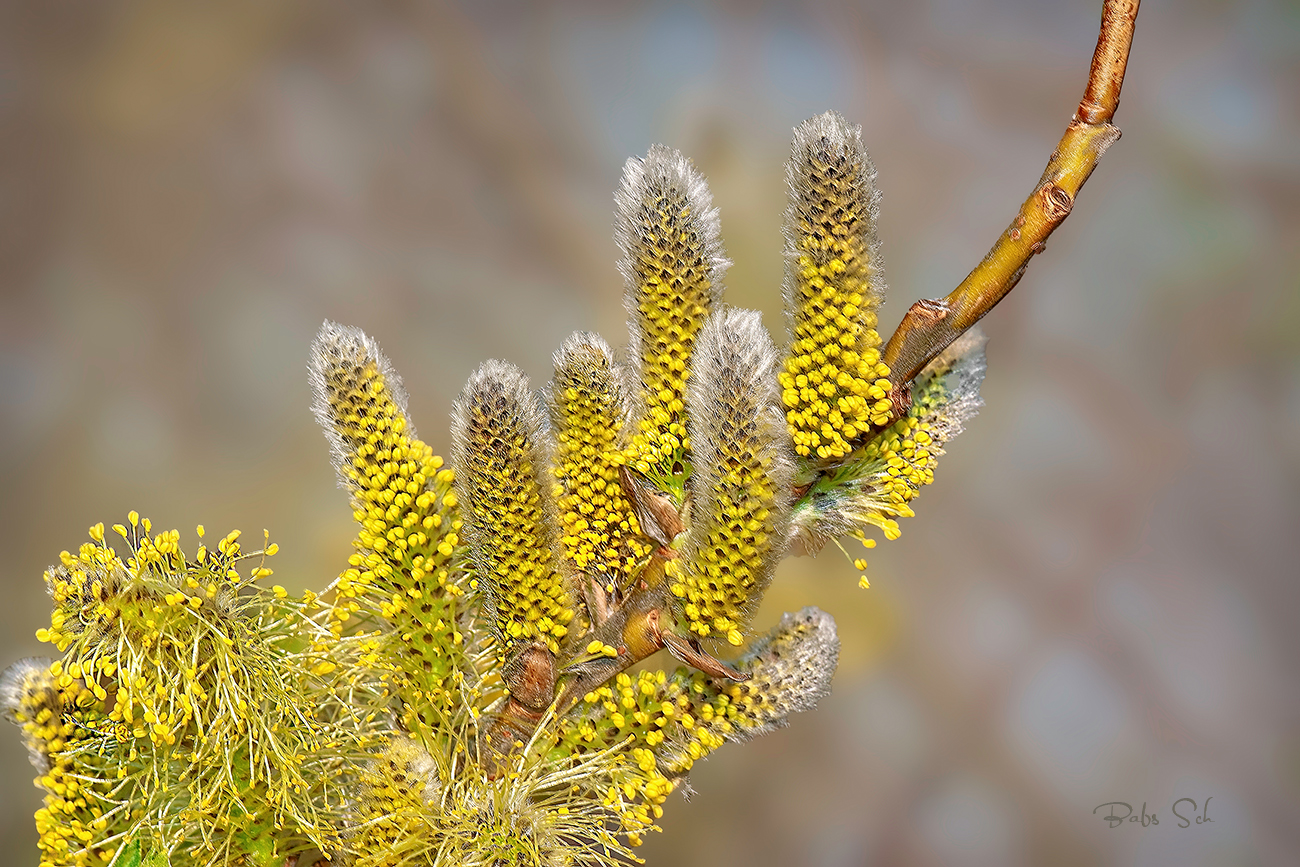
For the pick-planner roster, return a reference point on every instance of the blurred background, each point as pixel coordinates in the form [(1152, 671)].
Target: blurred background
[(1093, 603)]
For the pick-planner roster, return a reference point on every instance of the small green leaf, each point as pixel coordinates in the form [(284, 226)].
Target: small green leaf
[(131, 856)]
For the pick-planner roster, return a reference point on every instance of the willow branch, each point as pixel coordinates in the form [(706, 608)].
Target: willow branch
[(931, 325)]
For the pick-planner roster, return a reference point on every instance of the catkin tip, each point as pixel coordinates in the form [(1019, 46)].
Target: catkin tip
[(791, 667), (345, 367), (665, 183)]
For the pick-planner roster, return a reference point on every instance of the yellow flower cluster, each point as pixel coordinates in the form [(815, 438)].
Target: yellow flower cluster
[(396, 791), (187, 661), (140, 621), (502, 451), (56, 714), (905, 458), (402, 499), (876, 486), (834, 385), (789, 671), (893, 467), (672, 268), (717, 585), (647, 710), (426, 714), (599, 530), (742, 479), (87, 588), (671, 721)]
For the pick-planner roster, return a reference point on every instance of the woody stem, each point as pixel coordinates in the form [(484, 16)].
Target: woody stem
[(931, 325)]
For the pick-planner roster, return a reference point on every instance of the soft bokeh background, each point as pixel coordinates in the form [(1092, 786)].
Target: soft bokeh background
[(1097, 599)]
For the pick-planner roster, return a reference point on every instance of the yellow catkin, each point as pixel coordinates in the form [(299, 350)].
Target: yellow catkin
[(876, 486), (57, 713), (408, 517), (180, 659), (742, 479), (673, 720), (146, 615), (901, 460), (599, 533), (834, 384), (397, 791), (672, 268), (501, 451)]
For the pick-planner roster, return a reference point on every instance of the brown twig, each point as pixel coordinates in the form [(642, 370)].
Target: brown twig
[(931, 325)]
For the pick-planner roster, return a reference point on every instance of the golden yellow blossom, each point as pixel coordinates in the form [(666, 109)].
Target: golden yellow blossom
[(672, 265), (834, 384), (601, 540), (742, 481), (402, 571), (502, 450)]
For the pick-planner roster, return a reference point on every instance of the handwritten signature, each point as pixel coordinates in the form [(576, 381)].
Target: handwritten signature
[(1186, 810)]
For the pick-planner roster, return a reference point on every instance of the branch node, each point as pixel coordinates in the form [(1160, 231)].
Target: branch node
[(1056, 202)]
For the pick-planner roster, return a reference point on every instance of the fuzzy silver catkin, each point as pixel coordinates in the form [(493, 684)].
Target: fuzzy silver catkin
[(27, 690), (591, 358), (961, 367), (600, 536), (732, 399), (501, 451), (586, 361), (835, 387), (743, 473), (665, 185), (496, 405), (672, 264), (790, 670)]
